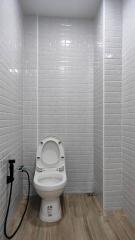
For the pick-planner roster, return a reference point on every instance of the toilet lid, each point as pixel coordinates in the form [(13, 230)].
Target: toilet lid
[(50, 152)]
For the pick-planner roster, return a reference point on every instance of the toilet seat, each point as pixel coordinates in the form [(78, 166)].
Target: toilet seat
[(50, 153), (50, 178), (49, 181)]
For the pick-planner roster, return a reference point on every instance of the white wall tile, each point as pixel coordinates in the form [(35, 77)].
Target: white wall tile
[(65, 93), (98, 105), (10, 100), (128, 110), (29, 94), (112, 104)]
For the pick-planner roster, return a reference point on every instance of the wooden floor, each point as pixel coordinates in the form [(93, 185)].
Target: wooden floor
[(82, 220)]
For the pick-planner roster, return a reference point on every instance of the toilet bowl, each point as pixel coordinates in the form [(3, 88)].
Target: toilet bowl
[(50, 178)]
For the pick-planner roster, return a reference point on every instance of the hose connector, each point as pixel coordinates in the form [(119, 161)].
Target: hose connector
[(20, 168)]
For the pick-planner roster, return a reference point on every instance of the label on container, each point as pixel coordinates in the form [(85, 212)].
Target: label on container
[(49, 211)]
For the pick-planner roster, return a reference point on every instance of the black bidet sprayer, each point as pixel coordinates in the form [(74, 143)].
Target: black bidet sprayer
[(10, 180)]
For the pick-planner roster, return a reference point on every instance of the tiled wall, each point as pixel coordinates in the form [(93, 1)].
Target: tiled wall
[(112, 104), (10, 100), (98, 105), (128, 122), (29, 94), (107, 104), (65, 94)]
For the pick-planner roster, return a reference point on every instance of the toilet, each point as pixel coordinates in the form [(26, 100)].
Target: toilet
[(50, 178)]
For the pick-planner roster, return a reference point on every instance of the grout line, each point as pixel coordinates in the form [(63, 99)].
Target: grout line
[(37, 80), (103, 89)]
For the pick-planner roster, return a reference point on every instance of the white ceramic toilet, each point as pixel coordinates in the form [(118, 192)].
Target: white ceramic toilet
[(50, 178)]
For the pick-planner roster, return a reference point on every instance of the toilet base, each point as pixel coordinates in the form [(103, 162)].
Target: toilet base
[(50, 211)]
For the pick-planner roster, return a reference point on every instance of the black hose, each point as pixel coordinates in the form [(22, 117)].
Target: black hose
[(9, 201)]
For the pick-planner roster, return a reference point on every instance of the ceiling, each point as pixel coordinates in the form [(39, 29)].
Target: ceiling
[(61, 8)]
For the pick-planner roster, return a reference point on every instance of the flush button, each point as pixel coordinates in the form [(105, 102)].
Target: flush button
[(38, 157)]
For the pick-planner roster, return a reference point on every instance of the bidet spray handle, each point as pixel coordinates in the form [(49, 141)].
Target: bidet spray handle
[(10, 178)]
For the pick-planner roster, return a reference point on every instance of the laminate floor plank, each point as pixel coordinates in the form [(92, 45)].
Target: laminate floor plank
[(82, 220)]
